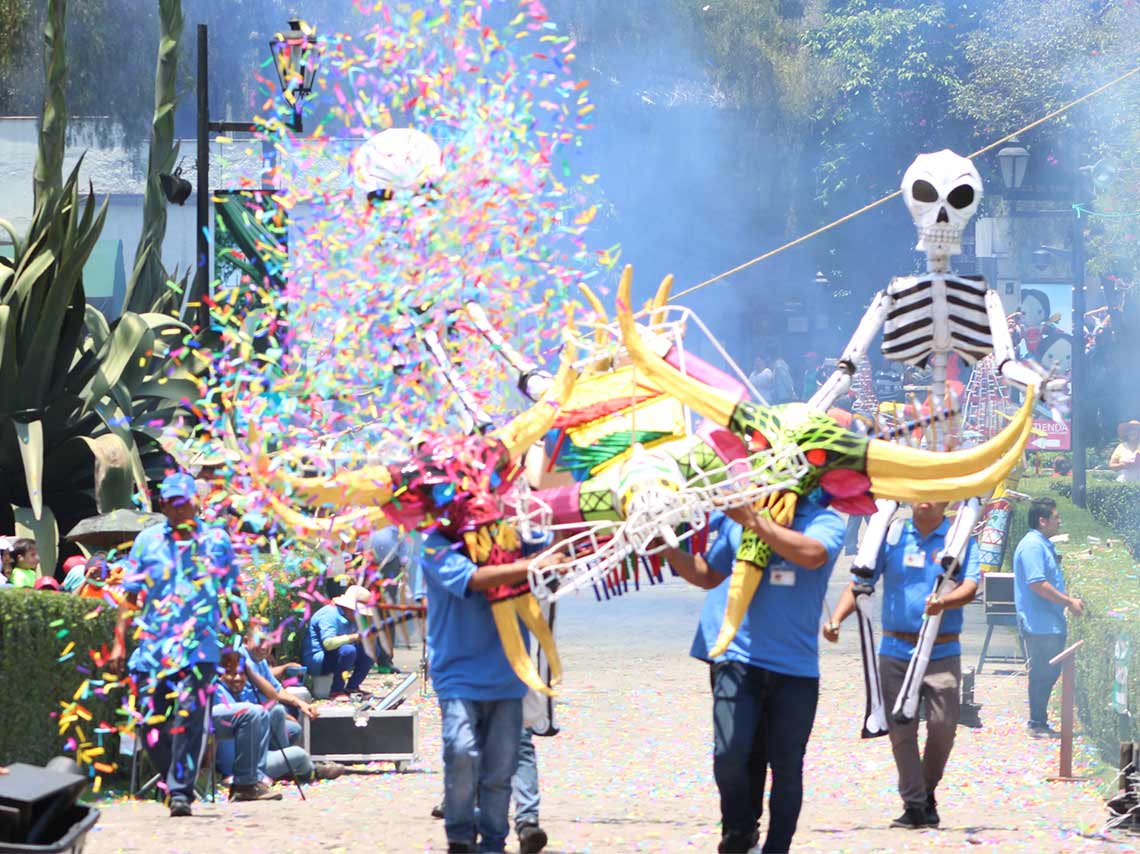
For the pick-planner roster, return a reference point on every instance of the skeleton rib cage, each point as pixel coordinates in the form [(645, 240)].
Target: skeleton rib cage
[(936, 312)]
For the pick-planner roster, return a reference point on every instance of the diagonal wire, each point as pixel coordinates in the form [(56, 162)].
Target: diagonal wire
[(805, 237)]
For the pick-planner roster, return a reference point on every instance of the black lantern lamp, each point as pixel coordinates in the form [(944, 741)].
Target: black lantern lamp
[(295, 56), (1013, 160)]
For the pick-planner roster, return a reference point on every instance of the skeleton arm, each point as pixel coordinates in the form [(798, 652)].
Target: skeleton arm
[(840, 380), (1025, 373)]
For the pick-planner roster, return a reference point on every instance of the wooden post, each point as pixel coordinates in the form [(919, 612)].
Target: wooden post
[(1065, 658)]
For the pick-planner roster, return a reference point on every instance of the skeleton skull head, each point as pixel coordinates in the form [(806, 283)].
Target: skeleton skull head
[(942, 191)]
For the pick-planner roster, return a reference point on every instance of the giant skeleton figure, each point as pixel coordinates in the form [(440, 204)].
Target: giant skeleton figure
[(924, 319)]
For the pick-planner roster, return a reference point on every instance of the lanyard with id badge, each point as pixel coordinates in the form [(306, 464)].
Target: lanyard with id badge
[(782, 575)]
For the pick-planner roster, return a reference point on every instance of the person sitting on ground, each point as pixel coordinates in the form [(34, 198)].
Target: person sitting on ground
[(263, 688), (332, 646), (74, 571), (25, 562), (252, 751)]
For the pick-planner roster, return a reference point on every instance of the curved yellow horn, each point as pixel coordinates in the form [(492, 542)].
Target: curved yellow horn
[(599, 310), (528, 427), (531, 614), (661, 299), (908, 474), (507, 622), (708, 401)]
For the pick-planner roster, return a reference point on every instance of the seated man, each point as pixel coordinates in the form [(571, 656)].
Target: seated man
[(332, 645), (253, 750), (263, 688), (243, 733)]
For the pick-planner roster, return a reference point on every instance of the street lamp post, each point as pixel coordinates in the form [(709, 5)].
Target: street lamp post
[(1013, 161), (295, 58)]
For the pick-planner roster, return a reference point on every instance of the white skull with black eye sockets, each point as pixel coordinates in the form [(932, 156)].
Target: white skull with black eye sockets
[(942, 191)]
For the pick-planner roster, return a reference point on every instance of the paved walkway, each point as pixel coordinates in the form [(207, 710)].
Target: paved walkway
[(632, 770)]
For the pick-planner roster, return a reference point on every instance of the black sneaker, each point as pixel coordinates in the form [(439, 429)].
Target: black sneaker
[(932, 818), (1042, 731), (532, 838), (437, 811), (460, 847), (738, 843), (912, 818), (180, 808)]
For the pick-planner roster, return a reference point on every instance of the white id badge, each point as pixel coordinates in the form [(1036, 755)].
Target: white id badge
[(915, 560), (784, 577)]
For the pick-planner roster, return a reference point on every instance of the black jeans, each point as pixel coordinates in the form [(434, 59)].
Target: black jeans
[(174, 706), (1042, 674), (760, 719)]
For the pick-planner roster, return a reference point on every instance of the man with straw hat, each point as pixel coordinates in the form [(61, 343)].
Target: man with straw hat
[(332, 646), (1126, 459)]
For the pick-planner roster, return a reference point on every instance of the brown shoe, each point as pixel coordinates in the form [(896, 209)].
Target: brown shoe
[(254, 792), (327, 770)]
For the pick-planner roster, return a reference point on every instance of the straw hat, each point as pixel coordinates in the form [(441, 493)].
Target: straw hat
[(355, 598), (1127, 427)]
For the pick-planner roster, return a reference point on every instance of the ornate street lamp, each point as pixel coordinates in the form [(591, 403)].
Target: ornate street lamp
[(295, 57), (1013, 160)]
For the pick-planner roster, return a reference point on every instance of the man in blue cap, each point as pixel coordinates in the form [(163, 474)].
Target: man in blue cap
[(187, 572)]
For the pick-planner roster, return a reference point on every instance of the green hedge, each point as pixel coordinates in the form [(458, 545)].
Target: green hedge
[(33, 680), (1115, 504)]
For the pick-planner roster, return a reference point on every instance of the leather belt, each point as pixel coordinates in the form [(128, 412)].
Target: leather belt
[(912, 637)]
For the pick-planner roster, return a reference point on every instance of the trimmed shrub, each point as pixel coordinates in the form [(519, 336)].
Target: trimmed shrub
[(1112, 503), (36, 628)]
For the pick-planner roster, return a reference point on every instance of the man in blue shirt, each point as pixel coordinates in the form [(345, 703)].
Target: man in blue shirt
[(397, 555), (186, 572), (766, 685), (265, 689), (333, 646), (1040, 597), (480, 697), (909, 566)]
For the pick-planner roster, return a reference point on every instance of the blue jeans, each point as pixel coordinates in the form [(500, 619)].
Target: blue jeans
[(247, 725), (1042, 674), (760, 719), (480, 753), (283, 730), (524, 785), (177, 752), (350, 658)]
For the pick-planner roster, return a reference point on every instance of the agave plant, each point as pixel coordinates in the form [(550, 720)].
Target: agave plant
[(82, 401)]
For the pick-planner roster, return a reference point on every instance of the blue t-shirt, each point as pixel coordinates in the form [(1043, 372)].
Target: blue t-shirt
[(780, 630), (907, 582), (464, 651), (250, 694), (328, 622), (1036, 560), (183, 581)]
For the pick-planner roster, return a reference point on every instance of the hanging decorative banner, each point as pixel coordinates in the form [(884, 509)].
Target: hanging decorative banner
[(1120, 679)]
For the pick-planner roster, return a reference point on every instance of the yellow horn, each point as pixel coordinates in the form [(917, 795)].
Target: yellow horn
[(599, 310), (507, 622), (708, 401), (528, 427), (531, 613), (661, 299), (908, 474), (742, 585)]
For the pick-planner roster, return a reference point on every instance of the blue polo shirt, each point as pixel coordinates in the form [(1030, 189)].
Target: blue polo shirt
[(327, 622), (180, 623), (464, 651), (1035, 559), (909, 569), (250, 694), (780, 631)]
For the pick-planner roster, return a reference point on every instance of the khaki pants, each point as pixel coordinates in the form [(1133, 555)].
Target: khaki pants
[(919, 775)]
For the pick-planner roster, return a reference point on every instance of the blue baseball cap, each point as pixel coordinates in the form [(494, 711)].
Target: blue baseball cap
[(178, 488)]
